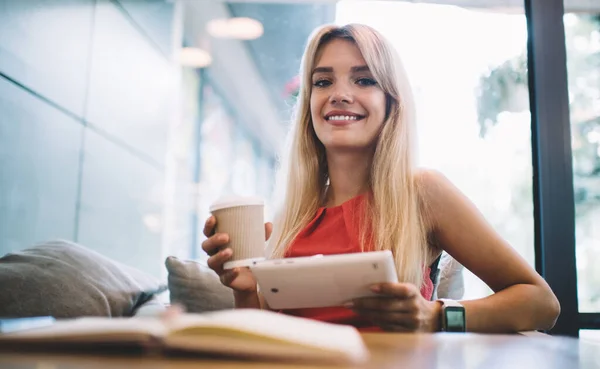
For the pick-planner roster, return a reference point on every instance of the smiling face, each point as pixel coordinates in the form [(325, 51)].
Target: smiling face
[(346, 103)]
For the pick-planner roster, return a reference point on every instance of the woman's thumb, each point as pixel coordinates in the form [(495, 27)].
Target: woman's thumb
[(268, 230)]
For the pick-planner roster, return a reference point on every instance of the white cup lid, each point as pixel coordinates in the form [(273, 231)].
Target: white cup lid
[(231, 201)]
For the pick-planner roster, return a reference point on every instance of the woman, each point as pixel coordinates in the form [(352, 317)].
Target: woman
[(352, 186)]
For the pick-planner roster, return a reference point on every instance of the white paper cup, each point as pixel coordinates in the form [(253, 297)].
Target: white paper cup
[(242, 218)]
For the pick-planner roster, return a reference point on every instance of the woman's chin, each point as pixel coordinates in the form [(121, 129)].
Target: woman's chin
[(345, 145), (345, 140)]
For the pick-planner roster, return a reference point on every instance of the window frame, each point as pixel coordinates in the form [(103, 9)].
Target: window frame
[(553, 197)]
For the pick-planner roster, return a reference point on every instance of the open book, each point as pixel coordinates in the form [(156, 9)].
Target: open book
[(244, 333)]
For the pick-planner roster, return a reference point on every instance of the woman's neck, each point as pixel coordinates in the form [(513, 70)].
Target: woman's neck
[(348, 176)]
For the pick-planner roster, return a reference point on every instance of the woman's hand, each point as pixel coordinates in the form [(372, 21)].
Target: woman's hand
[(400, 307), (238, 279)]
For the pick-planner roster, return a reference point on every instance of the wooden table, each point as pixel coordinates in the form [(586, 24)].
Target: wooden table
[(388, 350)]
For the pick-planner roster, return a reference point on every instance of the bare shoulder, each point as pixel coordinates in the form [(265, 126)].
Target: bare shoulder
[(435, 192), (431, 183)]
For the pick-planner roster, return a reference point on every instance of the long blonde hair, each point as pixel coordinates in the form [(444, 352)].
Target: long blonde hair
[(393, 211)]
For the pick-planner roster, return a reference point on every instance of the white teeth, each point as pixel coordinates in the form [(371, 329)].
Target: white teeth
[(342, 117)]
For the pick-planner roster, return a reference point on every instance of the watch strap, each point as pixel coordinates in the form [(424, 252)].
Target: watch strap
[(448, 302)]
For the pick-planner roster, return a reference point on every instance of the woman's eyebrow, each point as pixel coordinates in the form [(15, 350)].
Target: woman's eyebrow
[(322, 70), (359, 68)]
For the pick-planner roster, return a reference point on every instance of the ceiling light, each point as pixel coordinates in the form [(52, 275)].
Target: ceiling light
[(240, 28), (194, 57)]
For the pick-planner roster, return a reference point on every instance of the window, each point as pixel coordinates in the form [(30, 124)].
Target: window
[(582, 37)]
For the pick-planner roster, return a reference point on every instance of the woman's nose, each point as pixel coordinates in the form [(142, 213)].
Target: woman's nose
[(341, 95)]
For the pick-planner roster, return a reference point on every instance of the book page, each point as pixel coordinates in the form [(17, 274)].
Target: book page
[(93, 329), (345, 340), (245, 347)]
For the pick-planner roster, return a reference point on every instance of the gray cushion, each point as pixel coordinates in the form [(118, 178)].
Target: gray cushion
[(66, 280), (196, 287)]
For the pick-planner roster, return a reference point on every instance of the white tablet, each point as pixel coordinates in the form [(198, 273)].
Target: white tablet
[(322, 281)]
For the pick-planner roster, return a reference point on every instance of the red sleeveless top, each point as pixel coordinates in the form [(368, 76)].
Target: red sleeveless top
[(335, 230)]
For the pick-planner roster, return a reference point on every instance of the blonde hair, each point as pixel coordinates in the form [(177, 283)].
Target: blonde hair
[(393, 211)]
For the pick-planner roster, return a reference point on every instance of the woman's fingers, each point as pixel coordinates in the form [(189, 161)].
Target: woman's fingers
[(395, 309), (212, 244), (209, 226), (229, 276), (399, 290), (211, 222), (268, 230), (400, 313), (216, 261), (383, 304)]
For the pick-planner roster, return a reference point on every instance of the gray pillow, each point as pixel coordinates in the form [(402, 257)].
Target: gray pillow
[(196, 287), (66, 280)]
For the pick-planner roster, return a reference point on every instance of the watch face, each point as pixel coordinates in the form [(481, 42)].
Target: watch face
[(455, 319)]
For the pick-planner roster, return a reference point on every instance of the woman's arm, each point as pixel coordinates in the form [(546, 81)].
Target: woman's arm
[(250, 300), (246, 300), (522, 300)]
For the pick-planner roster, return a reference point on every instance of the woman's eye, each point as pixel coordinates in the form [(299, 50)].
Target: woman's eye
[(366, 82), (321, 83)]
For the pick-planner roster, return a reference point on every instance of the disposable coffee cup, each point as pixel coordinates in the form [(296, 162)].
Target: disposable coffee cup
[(242, 218)]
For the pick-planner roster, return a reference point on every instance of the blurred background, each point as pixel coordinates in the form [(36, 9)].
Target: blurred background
[(121, 121)]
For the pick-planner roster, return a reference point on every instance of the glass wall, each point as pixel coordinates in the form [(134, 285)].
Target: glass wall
[(180, 191), (230, 160), (88, 96), (582, 37)]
